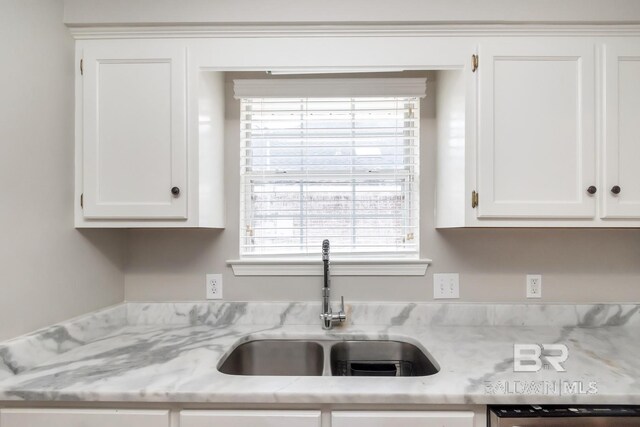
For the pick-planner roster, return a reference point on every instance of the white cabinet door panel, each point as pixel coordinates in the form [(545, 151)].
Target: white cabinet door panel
[(536, 147), (83, 418), (250, 419), (622, 139), (134, 132), (404, 419)]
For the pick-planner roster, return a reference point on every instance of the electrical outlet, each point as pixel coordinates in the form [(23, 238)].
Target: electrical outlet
[(534, 286), (446, 286), (214, 286)]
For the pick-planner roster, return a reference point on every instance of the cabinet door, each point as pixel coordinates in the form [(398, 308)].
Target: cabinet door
[(250, 418), (536, 147), (134, 132), (404, 419), (82, 418), (622, 124)]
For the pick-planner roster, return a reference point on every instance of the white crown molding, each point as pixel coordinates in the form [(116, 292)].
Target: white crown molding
[(355, 30), (417, 267)]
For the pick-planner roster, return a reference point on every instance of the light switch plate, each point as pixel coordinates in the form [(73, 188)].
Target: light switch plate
[(446, 286), (214, 286)]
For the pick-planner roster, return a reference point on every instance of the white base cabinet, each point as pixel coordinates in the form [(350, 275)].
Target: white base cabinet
[(402, 418), (83, 418), (250, 418), (54, 417)]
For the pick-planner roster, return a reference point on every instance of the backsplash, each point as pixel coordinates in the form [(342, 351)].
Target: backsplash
[(390, 314)]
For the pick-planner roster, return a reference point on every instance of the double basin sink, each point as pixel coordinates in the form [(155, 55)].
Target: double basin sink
[(329, 358)]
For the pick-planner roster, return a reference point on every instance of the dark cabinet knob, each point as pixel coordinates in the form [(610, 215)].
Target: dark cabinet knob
[(616, 189), (592, 190), (175, 191)]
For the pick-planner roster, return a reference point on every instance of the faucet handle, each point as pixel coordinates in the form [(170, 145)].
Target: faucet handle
[(342, 303)]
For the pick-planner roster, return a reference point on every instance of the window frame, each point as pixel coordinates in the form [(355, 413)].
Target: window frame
[(365, 263)]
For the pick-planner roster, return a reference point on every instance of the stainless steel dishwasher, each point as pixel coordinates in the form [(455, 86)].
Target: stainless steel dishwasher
[(564, 416)]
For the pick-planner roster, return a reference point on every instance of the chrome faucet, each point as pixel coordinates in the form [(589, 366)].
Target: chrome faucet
[(328, 318)]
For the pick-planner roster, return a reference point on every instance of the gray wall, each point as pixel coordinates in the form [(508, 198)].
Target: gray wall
[(48, 270), (113, 12), (577, 265)]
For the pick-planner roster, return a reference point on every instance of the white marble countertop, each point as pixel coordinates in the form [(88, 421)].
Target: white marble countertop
[(169, 353)]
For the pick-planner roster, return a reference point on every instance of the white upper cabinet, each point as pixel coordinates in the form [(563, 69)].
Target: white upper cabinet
[(556, 137), (536, 129), (141, 160), (134, 132), (621, 192), (545, 130)]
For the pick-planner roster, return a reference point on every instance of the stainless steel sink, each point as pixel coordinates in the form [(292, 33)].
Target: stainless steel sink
[(275, 357), (328, 357), (379, 359)]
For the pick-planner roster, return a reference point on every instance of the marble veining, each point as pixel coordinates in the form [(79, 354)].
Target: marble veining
[(168, 352), (24, 352), (394, 314)]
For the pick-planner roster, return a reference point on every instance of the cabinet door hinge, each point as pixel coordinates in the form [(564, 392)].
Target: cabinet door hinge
[(82, 200), (474, 199), (82, 67), (474, 63)]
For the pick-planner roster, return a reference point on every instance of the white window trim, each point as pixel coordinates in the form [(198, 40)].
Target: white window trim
[(374, 267)]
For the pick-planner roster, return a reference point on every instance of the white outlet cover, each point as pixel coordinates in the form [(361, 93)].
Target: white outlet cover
[(213, 286), (534, 285), (446, 286)]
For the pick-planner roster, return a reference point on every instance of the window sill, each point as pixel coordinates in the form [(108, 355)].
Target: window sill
[(275, 267)]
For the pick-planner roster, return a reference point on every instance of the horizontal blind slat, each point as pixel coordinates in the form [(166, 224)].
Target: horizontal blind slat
[(308, 128), (327, 100), (314, 146), (333, 246), (346, 138), (341, 228), (315, 178)]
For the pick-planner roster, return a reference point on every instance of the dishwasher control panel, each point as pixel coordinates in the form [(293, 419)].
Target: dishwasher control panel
[(564, 416)]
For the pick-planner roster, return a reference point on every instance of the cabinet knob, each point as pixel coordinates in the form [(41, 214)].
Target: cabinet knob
[(616, 189), (592, 189), (175, 191)]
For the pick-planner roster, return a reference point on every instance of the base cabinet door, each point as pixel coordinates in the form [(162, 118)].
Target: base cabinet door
[(536, 139), (621, 192), (83, 418), (250, 418), (401, 418)]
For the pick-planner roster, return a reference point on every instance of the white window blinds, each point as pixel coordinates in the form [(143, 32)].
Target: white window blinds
[(319, 165)]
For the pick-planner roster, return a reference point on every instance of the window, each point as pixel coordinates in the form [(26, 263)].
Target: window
[(331, 158)]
